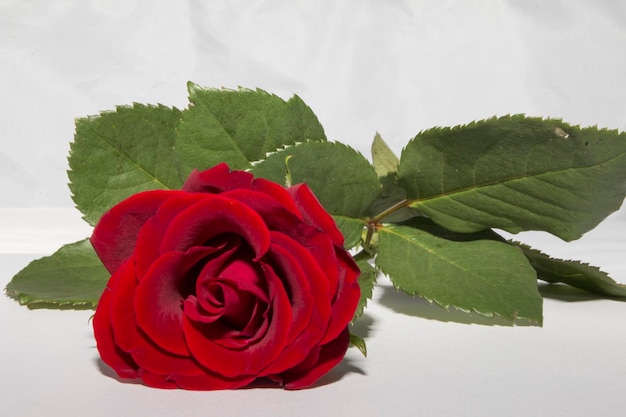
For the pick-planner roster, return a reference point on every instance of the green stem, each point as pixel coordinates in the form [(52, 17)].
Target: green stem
[(398, 206), (368, 237), (373, 222)]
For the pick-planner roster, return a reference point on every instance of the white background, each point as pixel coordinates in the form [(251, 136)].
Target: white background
[(394, 67)]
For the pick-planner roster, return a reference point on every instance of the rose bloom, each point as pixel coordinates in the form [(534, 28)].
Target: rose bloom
[(226, 281)]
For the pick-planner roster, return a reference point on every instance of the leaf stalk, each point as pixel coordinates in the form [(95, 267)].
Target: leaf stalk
[(373, 222), (389, 211)]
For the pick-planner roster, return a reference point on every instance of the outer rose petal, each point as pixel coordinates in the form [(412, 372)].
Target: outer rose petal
[(347, 297), (220, 179), (155, 367), (201, 381), (115, 234), (329, 355), (274, 214), (325, 253), (128, 337), (147, 249), (211, 217), (216, 180), (126, 350), (309, 298), (314, 213), (121, 362), (278, 193)]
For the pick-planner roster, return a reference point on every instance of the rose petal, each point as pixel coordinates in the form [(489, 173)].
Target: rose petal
[(216, 180), (203, 306), (275, 215), (313, 212), (128, 337), (347, 297), (115, 234), (202, 380), (278, 193), (246, 276), (230, 295), (220, 329), (319, 245), (308, 291), (242, 293), (159, 298), (211, 217), (210, 307), (328, 357), (147, 249), (120, 361)]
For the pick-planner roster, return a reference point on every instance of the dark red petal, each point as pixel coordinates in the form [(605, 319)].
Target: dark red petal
[(208, 382), (348, 294), (245, 276), (314, 213), (121, 307), (202, 380), (231, 296), (202, 307), (121, 362), (324, 252), (310, 301), (216, 180), (278, 193), (159, 298), (328, 357), (129, 338), (211, 217), (151, 234), (220, 291), (275, 215), (115, 234), (231, 362)]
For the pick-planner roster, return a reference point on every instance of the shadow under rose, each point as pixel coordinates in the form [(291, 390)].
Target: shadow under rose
[(345, 367), (107, 371), (403, 303)]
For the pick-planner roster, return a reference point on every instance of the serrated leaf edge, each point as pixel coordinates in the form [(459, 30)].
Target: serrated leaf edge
[(515, 115), (612, 282)]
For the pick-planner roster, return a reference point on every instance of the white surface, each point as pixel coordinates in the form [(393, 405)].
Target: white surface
[(395, 67)]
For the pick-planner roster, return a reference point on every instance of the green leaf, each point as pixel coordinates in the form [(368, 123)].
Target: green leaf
[(341, 178), (367, 279), (118, 154), (359, 343), (384, 160), (574, 273), (351, 228), (386, 166), (516, 173), (240, 126), (72, 277), (485, 276)]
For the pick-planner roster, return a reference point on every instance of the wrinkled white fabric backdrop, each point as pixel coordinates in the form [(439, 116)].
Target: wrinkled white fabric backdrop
[(364, 66)]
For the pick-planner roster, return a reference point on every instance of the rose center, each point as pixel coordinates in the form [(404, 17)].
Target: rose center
[(231, 300)]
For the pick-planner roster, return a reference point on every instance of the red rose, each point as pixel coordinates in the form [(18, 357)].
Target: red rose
[(228, 280)]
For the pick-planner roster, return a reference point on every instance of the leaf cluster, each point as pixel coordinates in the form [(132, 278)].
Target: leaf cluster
[(428, 219)]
